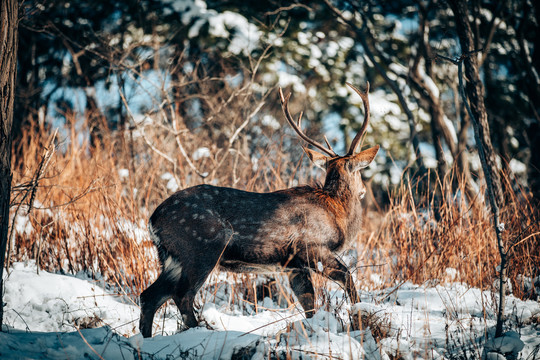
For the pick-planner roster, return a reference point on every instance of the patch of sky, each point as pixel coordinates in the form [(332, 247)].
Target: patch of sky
[(404, 26), (331, 128), (60, 101), (146, 92), (114, 20)]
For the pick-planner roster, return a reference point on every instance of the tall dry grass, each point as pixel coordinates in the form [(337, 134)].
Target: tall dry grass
[(435, 235), (88, 209), (91, 205)]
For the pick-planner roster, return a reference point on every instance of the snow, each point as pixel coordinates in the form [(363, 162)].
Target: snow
[(172, 184), (54, 316), (518, 167), (246, 36), (200, 153), (50, 302), (22, 222), (123, 173), (270, 121), (509, 344)]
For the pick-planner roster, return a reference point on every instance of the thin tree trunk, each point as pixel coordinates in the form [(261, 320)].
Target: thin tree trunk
[(8, 68), (477, 112), (462, 155), (95, 118), (475, 89)]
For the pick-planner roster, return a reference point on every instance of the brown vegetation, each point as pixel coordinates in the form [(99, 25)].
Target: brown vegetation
[(88, 215)]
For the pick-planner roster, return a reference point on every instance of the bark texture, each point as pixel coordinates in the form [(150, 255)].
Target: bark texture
[(475, 89), (477, 112), (8, 68)]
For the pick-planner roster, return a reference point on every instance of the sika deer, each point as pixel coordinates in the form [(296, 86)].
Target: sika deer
[(297, 229)]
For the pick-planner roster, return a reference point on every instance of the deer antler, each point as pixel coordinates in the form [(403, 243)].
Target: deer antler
[(297, 126), (365, 100)]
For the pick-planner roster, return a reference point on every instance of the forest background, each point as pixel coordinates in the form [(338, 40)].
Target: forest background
[(119, 104)]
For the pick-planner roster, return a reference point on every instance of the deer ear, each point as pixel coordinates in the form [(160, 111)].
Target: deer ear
[(318, 159), (363, 158)]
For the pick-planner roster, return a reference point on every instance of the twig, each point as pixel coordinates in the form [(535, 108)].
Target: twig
[(90, 188), (272, 323), (49, 150), (142, 128), (183, 151), (31, 187), (287, 8), (90, 346), (244, 124)]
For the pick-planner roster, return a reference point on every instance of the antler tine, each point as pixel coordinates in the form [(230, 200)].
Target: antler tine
[(328, 144), (365, 101), (298, 129)]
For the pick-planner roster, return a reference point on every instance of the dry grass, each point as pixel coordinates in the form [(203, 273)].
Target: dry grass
[(87, 215), (459, 246)]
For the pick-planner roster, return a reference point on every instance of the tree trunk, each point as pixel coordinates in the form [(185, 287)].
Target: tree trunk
[(477, 112), (462, 155), (8, 68), (95, 118), (475, 89)]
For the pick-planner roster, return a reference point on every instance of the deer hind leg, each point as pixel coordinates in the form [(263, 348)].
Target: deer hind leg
[(184, 298), (188, 285), (151, 299), (302, 286)]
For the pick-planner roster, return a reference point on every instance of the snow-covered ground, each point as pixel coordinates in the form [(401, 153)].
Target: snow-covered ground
[(52, 316)]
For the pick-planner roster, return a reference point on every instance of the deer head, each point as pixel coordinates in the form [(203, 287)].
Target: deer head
[(342, 172)]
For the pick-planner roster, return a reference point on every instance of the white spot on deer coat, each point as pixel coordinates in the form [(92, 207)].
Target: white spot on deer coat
[(173, 269)]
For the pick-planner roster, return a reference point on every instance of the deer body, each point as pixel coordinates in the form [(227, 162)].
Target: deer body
[(296, 229)]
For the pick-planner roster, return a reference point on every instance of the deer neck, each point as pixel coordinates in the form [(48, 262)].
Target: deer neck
[(345, 203)]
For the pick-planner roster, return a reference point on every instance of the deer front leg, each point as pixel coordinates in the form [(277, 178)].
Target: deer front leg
[(339, 272), (300, 280), (325, 262)]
